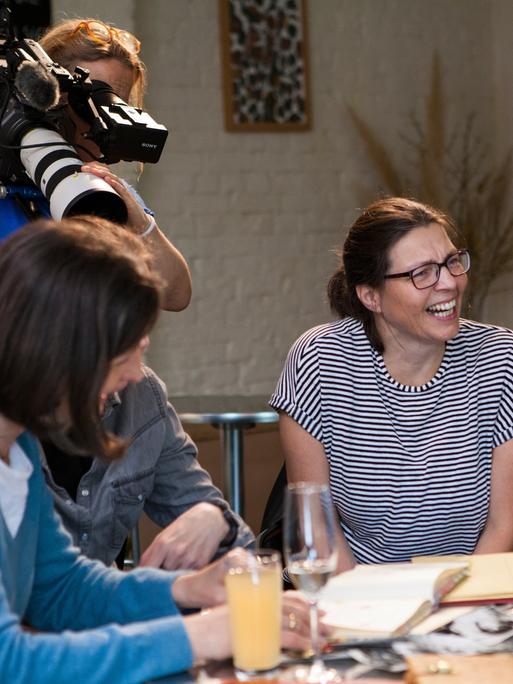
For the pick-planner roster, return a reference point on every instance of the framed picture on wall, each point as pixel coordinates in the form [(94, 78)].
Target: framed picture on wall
[(265, 70)]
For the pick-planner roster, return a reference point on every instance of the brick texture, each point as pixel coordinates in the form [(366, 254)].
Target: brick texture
[(257, 215)]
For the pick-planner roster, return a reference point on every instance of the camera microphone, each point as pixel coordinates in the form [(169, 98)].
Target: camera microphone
[(37, 87), (47, 159)]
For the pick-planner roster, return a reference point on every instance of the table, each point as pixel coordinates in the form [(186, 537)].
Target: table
[(232, 414), (485, 668), (224, 671)]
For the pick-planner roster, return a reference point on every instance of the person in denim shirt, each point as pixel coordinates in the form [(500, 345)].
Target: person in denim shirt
[(87, 622), (100, 502)]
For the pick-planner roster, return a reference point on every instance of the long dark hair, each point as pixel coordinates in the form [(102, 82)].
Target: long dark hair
[(73, 296), (364, 257)]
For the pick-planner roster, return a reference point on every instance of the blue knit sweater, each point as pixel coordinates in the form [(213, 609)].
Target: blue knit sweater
[(125, 627)]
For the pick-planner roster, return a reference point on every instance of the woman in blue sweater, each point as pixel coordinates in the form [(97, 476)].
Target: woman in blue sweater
[(77, 301)]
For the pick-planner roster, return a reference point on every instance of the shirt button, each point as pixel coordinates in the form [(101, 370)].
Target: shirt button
[(85, 492), (84, 537), (140, 497)]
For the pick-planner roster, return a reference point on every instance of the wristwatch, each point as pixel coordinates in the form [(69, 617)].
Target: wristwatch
[(233, 525)]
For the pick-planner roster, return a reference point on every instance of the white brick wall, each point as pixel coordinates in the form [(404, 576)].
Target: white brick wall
[(120, 12), (257, 215)]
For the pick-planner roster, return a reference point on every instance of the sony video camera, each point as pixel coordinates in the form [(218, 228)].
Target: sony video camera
[(34, 93)]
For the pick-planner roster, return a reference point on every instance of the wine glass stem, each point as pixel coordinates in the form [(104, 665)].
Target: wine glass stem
[(314, 633)]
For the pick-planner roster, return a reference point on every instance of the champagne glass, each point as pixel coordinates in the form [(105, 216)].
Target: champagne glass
[(309, 541)]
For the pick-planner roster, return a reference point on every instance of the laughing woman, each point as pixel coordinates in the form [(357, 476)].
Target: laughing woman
[(402, 406), (77, 301)]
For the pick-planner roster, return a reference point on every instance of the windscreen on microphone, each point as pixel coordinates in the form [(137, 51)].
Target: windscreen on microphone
[(37, 86)]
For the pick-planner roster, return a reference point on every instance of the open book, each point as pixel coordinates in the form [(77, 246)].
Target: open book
[(490, 578), (374, 601)]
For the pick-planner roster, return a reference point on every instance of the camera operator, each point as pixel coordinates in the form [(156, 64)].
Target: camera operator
[(101, 502), (112, 55)]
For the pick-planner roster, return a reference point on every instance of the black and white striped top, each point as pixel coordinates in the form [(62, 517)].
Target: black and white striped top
[(409, 466)]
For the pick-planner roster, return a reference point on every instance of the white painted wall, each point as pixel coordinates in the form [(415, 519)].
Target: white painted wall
[(257, 215), (499, 304), (118, 12)]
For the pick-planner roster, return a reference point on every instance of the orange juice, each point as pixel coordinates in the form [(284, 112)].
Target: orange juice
[(254, 600)]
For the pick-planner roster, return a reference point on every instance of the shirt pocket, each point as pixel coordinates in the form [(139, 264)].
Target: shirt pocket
[(128, 497)]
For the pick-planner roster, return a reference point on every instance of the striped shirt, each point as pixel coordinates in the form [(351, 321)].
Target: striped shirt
[(410, 466)]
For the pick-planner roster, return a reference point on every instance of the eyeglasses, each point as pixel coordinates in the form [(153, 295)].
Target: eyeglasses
[(428, 275), (102, 33)]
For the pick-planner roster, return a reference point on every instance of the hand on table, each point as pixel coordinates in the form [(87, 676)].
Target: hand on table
[(205, 588), (209, 634), (188, 542), (209, 631), (295, 630)]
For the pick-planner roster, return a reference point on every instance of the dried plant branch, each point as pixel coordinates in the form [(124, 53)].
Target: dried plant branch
[(378, 154), (454, 171), (435, 114)]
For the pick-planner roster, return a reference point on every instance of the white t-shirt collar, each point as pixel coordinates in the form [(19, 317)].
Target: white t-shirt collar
[(14, 487)]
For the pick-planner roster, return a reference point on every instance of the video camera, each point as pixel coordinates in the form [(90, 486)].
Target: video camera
[(34, 92)]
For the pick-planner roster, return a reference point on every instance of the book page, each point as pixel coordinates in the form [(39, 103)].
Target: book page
[(373, 618), (385, 599), (491, 576), (440, 618), (390, 581)]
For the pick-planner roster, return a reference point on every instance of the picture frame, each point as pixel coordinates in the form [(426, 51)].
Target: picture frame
[(264, 55)]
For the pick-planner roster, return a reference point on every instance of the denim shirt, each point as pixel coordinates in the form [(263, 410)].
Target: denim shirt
[(159, 474)]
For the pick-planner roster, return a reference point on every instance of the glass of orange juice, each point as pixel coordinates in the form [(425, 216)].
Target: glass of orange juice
[(253, 585)]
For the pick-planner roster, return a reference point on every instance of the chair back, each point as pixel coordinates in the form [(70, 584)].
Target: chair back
[(271, 529)]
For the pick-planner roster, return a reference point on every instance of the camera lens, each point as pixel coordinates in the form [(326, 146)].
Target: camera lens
[(55, 168)]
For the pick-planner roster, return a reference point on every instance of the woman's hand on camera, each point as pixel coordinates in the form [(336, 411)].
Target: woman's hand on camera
[(138, 220), (168, 262)]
